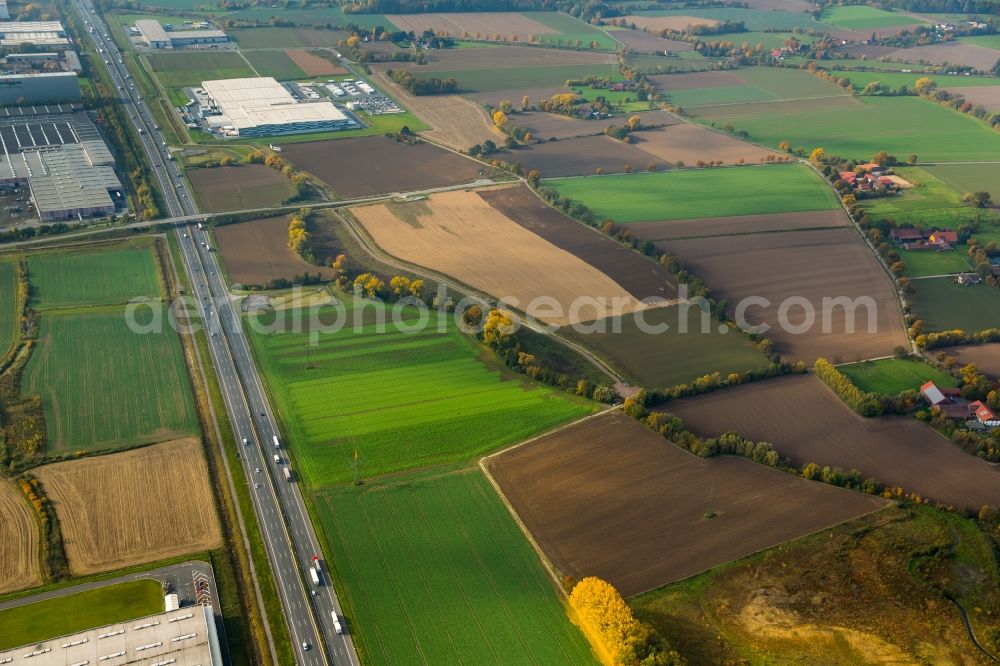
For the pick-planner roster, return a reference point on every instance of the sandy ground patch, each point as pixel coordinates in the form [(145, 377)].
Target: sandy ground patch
[(658, 23), (18, 540), (689, 143), (312, 64), (139, 506), (459, 234), (479, 25)]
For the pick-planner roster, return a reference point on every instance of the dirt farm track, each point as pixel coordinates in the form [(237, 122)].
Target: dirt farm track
[(139, 506), (608, 497), (18, 540)]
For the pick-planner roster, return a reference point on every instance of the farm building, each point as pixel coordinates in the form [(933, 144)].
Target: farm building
[(264, 107), (182, 637), (154, 35), (921, 239), (967, 279)]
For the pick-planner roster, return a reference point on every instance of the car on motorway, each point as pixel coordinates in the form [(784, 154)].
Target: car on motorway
[(305, 646), (257, 471)]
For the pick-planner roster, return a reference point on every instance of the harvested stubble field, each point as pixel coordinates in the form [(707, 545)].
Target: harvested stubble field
[(973, 55), (239, 187), (637, 274), (638, 41), (62, 279), (461, 235), (805, 421), (480, 25), (19, 555), (675, 22), (401, 399), (455, 121), (313, 64), (607, 497), (376, 165), (739, 224), (443, 548), (584, 156), (257, 252), (104, 385), (645, 197), (986, 357), (133, 507), (811, 267), (690, 143)]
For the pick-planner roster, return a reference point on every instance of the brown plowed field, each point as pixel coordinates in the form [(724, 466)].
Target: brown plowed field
[(607, 497), (312, 64), (986, 96), (459, 234), (813, 265), (639, 41), (689, 143), (506, 57), (480, 25), (640, 276), (743, 224), (455, 122), (713, 79), (583, 156), (364, 166), (128, 508), (870, 51), (972, 55), (658, 23), (545, 125), (805, 421), (986, 357), (257, 252), (776, 108), (239, 187), (18, 541)]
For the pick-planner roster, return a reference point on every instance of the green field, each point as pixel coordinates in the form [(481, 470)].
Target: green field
[(898, 79), (72, 613), (769, 40), (310, 16), (75, 279), (401, 400), (104, 386), (571, 30), (663, 360), (933, 132), (272, 37), (970, 177), (761, 84), (931, 262), (435, 571), (862, 17), (698, 193), (942, 304), (8, 305), (508, 78), (754, 19), (988, 41), (185, 5), (891, 376), (931, 201), (274, 63), (190, 69)]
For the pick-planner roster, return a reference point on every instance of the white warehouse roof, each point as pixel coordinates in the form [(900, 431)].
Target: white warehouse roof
[(255, 102)]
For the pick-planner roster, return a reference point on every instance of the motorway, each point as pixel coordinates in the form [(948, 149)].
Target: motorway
[(288, 534)]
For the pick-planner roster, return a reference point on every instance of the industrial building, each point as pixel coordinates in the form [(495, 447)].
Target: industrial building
[(58, 153), (264, 107), (4, 12), (154, 35), (37, 87), (182, 637), (40, 33)]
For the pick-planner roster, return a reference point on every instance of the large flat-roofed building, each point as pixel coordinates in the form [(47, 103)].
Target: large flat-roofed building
[(36, 87), (264, 107), (156, 36), (59, 154), (41, 33), (182, 637)]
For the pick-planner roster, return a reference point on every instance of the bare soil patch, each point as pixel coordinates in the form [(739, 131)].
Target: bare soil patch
[(239, 187), (312, 64), (257, 252), (743, 224), (507, 57), (363, 166), (18, 541), (689, 143), (678, 23), (711, 79), (456, 122), (139, 506), (459, 234), (805, 421), (640, 276), (986, 96), (972, 55), (812, 265), (986, 357), (607, 497), (870, 51), (583, 156), (479, 25), (639, 41)]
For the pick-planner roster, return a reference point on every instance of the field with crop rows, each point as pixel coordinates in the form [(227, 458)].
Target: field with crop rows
[(19, 557), (642, 197), (400, 399), (8, 304), (107, 277), (970, 177), (191, 68), (435, 571), (274, 63)]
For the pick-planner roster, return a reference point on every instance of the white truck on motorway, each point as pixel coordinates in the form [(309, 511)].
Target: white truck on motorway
[(274, 438), (277, 458), (288, 474), (337, 626), (314, 575)]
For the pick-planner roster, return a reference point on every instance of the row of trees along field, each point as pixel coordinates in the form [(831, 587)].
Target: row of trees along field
[(417, 86)]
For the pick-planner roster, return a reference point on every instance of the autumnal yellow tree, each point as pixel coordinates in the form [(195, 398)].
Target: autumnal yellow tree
[(417, 288), (498, 329), (499, 118), (399, 284), (817, 155)]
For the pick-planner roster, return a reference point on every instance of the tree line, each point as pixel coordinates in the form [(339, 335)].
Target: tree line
[(419, 86)]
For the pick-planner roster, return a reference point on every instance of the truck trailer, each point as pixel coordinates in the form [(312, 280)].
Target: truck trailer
[(288, 473), (274, 438), (314, 575)]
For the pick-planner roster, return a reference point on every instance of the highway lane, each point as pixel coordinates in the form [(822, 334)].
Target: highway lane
[(289, 539)]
